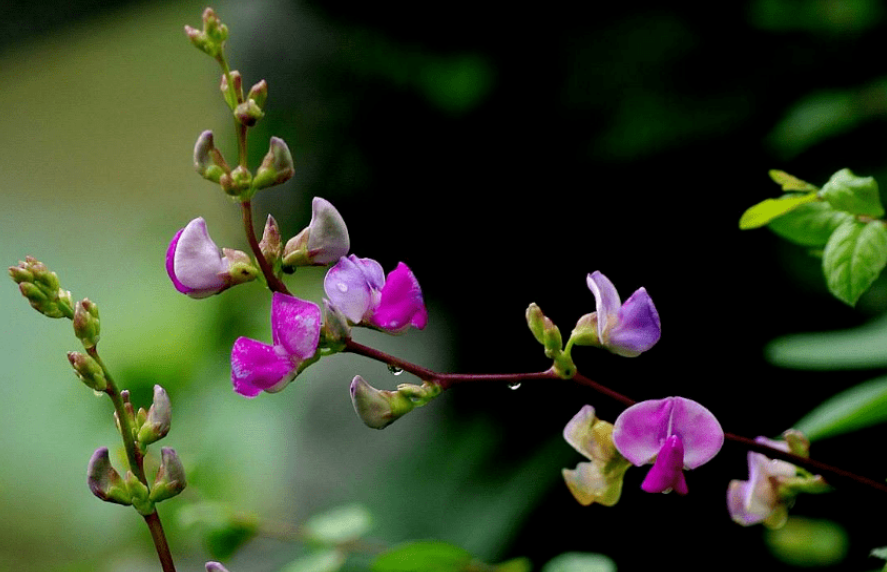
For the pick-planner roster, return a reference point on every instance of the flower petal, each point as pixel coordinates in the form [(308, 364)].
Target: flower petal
[(667, 473), (194, 262), (328, 236), (606, 299), (637, 326), (295, 325), (578, 431), (589, 485), (699, 430), (348, 290), (400, 304), (257, 367)]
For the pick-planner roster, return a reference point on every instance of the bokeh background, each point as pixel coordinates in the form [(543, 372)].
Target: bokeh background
[(503, 153)]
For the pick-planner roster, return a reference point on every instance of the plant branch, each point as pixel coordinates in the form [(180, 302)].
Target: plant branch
[(274, 283)]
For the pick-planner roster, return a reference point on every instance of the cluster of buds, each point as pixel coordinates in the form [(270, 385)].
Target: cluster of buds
[(41, 287), (276, 168)]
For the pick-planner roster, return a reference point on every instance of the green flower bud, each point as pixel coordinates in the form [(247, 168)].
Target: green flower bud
[(156, 424), (259, 94), (248, 113), (378, 409), (233, 92), (536, 322), (240, 266), (585, 332), (41, 287), (335, 329), (138, 494), (211, 38), (237, 183), (87, 326), (88, 370), (208, 161), (798, 443), (277, 166), (170, 479), (104, 481)]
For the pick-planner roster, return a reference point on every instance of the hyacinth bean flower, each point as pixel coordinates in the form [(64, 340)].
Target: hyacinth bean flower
[(324, 241), (358, 288), (672, 433), (600, 480), (197, 267), (295, 332), (627, 329)]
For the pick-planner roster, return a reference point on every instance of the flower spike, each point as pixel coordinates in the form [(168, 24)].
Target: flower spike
[(675, 432), (295, 328)]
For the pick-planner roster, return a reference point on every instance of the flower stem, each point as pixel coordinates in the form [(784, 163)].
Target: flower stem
[(447, 380), (274, 283)]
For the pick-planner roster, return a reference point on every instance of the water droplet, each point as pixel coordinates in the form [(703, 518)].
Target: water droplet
[(513, 386), (395, 370), (342, 287)]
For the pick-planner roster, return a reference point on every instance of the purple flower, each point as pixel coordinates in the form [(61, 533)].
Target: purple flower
[(358, 288), (672, 433), (295, 331), (324, 241), (757, 500), (627, 329), (197, 267)]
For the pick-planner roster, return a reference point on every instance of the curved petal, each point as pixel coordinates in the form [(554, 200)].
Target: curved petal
[(606, 299), (637, 326), (328, 236), (194, 262), (578, 431), (667, 473), (295, 325), (348, 290), (640, 430), (699, 430), (400, 303), (257, 367), (372, 271)]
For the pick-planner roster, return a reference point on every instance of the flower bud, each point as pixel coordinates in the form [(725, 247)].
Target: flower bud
[(170, 479), (88, 370), (233, 92), (335, 329), (237, 182), (213, 35), (41, 287), (586, 331), (87, 326), (213, 26), (240, 266), (277, 166), (378, 409), (323, 241), (259, 93), (157, 421), (208, 161), (271, 244), (248, 113), (536, 322), (139, 494), (104, 481)]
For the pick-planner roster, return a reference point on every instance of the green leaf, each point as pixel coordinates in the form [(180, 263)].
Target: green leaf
[(514, 565), (580, 562), (856, 195), (809, 225), (767, 210), (323, 561), (854, 256), (790, 182), (808, 543), (856, 408), (425, 555), (856, 348), (340, 524)]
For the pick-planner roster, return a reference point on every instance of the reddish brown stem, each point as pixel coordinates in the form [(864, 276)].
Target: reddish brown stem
[(274, 283)]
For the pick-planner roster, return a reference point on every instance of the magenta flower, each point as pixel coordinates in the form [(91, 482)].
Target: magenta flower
[(295, 332), (627, 329), (197, 267), (358, 288), (672, 433)]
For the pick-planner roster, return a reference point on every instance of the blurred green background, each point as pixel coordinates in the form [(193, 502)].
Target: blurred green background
[(503, 153)]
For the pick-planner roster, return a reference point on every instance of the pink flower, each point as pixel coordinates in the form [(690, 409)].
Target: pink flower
[(197, 267), (295, 332), (672, 433), (358, 288)]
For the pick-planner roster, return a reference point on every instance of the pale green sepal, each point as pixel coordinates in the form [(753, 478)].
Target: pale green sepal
[(854, 256), (585, 332), (769, 209), (88, 370), (157, 420), (856, 408), (856, 195), (240, 266), (790, 182), (139, 494), (810, 224)]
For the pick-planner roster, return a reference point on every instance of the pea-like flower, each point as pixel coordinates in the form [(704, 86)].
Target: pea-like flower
[(295, 332), (197, 267), (358, 288), (674, 434), (600, 480), (627, 329), (324, 241)]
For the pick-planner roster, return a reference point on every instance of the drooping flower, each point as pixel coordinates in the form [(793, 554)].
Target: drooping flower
[(771, 487), (600, 480), (672, 433), (627, 329), (197, 267), (323, 241), (359, 289), (295, 332)]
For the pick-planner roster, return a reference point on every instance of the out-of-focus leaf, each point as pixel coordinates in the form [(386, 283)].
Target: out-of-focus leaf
[(425, 555), (809, 225), (854, 256), (323, 561), (514, 565), (856, 408), (856, 348), (767, 210), (580, 562), (790, 182), (224, 532), (813, 119), (340, 524), (809, 542), (856, 195)]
